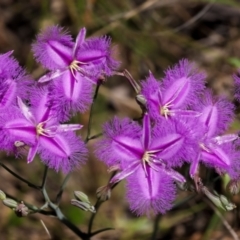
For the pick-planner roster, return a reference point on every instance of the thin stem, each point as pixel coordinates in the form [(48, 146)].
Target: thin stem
[(61, 216), (66, 222), (96, 206), (225, 223), (91, 111), (44, 177), (95, 136), (19, 177), (59, 195), (155, 227), (132, 81), (33, 208)]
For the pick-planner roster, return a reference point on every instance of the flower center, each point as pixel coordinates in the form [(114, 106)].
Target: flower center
[(75, 67), (203, 147), (165, 110), (43, 131), (39, 129), (146, 160)]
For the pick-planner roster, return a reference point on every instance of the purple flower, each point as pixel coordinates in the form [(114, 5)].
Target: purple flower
[(215, 150), (37, 127), (13, 81), (75, 66), (178, 90), (142, 155)]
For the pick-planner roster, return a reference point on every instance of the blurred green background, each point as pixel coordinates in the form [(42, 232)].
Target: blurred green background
[(146, 35)]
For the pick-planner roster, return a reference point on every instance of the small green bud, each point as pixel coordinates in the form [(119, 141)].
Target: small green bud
[(83, 205), (2, 195), (219, 200), (141, 100), (81, 196), (10, 203)]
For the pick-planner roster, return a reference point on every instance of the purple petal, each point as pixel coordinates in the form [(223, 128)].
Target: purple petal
[(25, 111), (64, 128), (225, 138), (181, 84), (177, 93), (184, 113), (153, 193), (97, 53), (50, 76), (168, 171), (79, 41), (32, 152), (217, 113), (126, 172), (10, 90), (146, 137), (55, 144), (127, 147), (53, 48), (21, 127), (194, 166), (167, 146), (216, 157), (72, 86), (63, 152)]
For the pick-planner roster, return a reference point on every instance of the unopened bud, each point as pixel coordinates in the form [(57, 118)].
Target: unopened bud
[(219, 200), (81, 196), (234, 186), (104, 193), (141, 100), (10, 203), (21, 210), (114, 168), (83, 205), (2, 195)]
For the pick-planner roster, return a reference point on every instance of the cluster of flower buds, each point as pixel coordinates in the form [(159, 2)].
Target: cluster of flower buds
[(32, 116), (20, 209), (183, 123)]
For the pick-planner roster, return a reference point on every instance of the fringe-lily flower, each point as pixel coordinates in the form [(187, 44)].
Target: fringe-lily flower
[(178, 90), (215, 150), (141, 154), (13, 81), (74, 67), (37, 127)]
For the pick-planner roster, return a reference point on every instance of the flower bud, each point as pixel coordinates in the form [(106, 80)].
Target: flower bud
[(104, 193), (141, 100), (83, 205), (219, 200), (81, 196), (10, 203), (21, 210), (2, 195), (234, 186)]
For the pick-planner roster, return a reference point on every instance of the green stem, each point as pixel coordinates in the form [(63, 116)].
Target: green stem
[(95, 136), (59, 195), (19, 177), (96, 206), (66, 222), (91, 111), (44, 177), (155, 227)]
